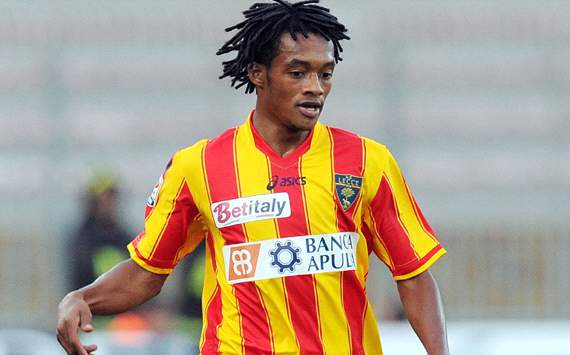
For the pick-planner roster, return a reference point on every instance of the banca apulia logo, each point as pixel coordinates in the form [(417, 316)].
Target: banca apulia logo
[(285, 256)]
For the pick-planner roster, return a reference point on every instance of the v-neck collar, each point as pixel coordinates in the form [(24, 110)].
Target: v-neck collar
[(266, 149)]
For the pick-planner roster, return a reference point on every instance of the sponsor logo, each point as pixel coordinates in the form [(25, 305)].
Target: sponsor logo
[(285, 257), (303, 255), (153, 198), (252, 208), (347, 189), (334, 253), (276, 180), (243, 261)]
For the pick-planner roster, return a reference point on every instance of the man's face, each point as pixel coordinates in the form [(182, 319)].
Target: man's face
[(298, 81)]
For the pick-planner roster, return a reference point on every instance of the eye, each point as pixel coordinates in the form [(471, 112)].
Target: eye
[(327, 75), (296, 74)]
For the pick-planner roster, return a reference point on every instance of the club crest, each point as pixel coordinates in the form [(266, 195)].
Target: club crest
[(347, 189)]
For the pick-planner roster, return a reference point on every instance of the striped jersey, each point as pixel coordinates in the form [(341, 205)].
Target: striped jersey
[(288, 239)]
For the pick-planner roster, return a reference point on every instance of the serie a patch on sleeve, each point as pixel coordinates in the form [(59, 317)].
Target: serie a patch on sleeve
[(151, 201)]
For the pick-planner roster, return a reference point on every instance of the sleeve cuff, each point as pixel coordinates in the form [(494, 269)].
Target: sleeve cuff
[(420, 265), (144, 264)]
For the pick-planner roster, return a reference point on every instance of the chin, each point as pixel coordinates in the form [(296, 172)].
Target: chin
[(297, 127), (306, 124)]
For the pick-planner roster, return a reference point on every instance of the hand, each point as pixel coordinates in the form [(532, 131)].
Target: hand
[(74, 315)]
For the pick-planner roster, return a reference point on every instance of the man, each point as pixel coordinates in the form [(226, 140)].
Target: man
[(290, 210)]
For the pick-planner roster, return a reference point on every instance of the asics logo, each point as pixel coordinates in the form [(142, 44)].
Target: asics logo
[(276, 180)]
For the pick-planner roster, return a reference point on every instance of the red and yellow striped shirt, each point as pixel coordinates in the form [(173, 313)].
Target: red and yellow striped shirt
[(288, 239)]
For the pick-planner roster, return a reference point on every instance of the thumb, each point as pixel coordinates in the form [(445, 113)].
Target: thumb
[(85, 319)]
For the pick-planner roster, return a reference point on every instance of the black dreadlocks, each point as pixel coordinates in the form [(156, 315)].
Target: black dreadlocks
[(257, 40)]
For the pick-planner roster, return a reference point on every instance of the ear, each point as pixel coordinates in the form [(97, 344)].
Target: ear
[(257, 74)]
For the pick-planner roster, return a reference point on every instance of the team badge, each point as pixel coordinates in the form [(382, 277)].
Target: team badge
[(347, 189)]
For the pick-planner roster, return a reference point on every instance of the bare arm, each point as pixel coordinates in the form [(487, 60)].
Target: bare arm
[(422, 303), (125, 286)]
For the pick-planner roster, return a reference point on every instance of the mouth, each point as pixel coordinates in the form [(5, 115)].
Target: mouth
[(310, 109)]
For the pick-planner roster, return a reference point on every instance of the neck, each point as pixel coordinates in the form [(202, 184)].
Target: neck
[(281, 138)]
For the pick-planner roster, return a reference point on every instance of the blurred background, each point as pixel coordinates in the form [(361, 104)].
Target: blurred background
[(472, 97)]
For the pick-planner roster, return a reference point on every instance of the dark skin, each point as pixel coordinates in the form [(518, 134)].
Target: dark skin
[(290, 97), (125, 286), (424, 310), (300, 75)]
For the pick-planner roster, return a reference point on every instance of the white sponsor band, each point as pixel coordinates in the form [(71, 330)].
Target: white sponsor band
[(303, 255), (251, 208)]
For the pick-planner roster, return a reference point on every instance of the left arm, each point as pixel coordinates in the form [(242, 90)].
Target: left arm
[(424, 309)]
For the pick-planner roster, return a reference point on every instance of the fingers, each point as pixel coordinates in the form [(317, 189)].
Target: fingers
[(74, 346), (90, 348), (77, 349), (66, 331), (68, 335), (85, 318), (74, 315)]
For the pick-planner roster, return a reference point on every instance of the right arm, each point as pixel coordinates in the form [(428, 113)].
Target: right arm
[(171, 231), (125, 286)]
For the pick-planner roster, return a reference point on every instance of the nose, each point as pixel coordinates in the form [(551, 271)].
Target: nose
[(313, 85)]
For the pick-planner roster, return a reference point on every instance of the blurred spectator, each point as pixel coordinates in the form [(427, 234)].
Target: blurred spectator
[(99, 242), (192, 283), (189, 291)]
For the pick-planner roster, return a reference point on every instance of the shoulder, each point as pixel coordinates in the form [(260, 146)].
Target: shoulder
[(189, 154), (348, 138), (194, 151), (376, 155), (342, 134), (192, 156), (375, 148), (343, 142), (227, 137)]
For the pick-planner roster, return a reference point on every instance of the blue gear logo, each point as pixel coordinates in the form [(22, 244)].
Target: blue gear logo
[(285, 257)]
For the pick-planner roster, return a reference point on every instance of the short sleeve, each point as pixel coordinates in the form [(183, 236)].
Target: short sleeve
[(395, 225), (173, 226)]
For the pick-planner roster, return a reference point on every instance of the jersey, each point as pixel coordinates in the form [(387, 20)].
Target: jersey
[(288, 239)]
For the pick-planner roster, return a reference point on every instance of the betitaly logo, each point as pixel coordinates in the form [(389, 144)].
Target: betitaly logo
[(249, 209), (347, 189)]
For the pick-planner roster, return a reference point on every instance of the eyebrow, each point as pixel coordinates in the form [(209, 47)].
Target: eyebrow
[(304, 63)]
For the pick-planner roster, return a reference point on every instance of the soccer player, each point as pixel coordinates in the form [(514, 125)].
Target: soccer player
[(291, 211)]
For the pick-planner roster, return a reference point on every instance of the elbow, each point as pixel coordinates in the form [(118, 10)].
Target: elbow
[(153, 284), (155, 291)]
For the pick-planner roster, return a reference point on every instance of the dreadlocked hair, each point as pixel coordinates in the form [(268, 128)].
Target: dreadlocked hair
[(257, 39)]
